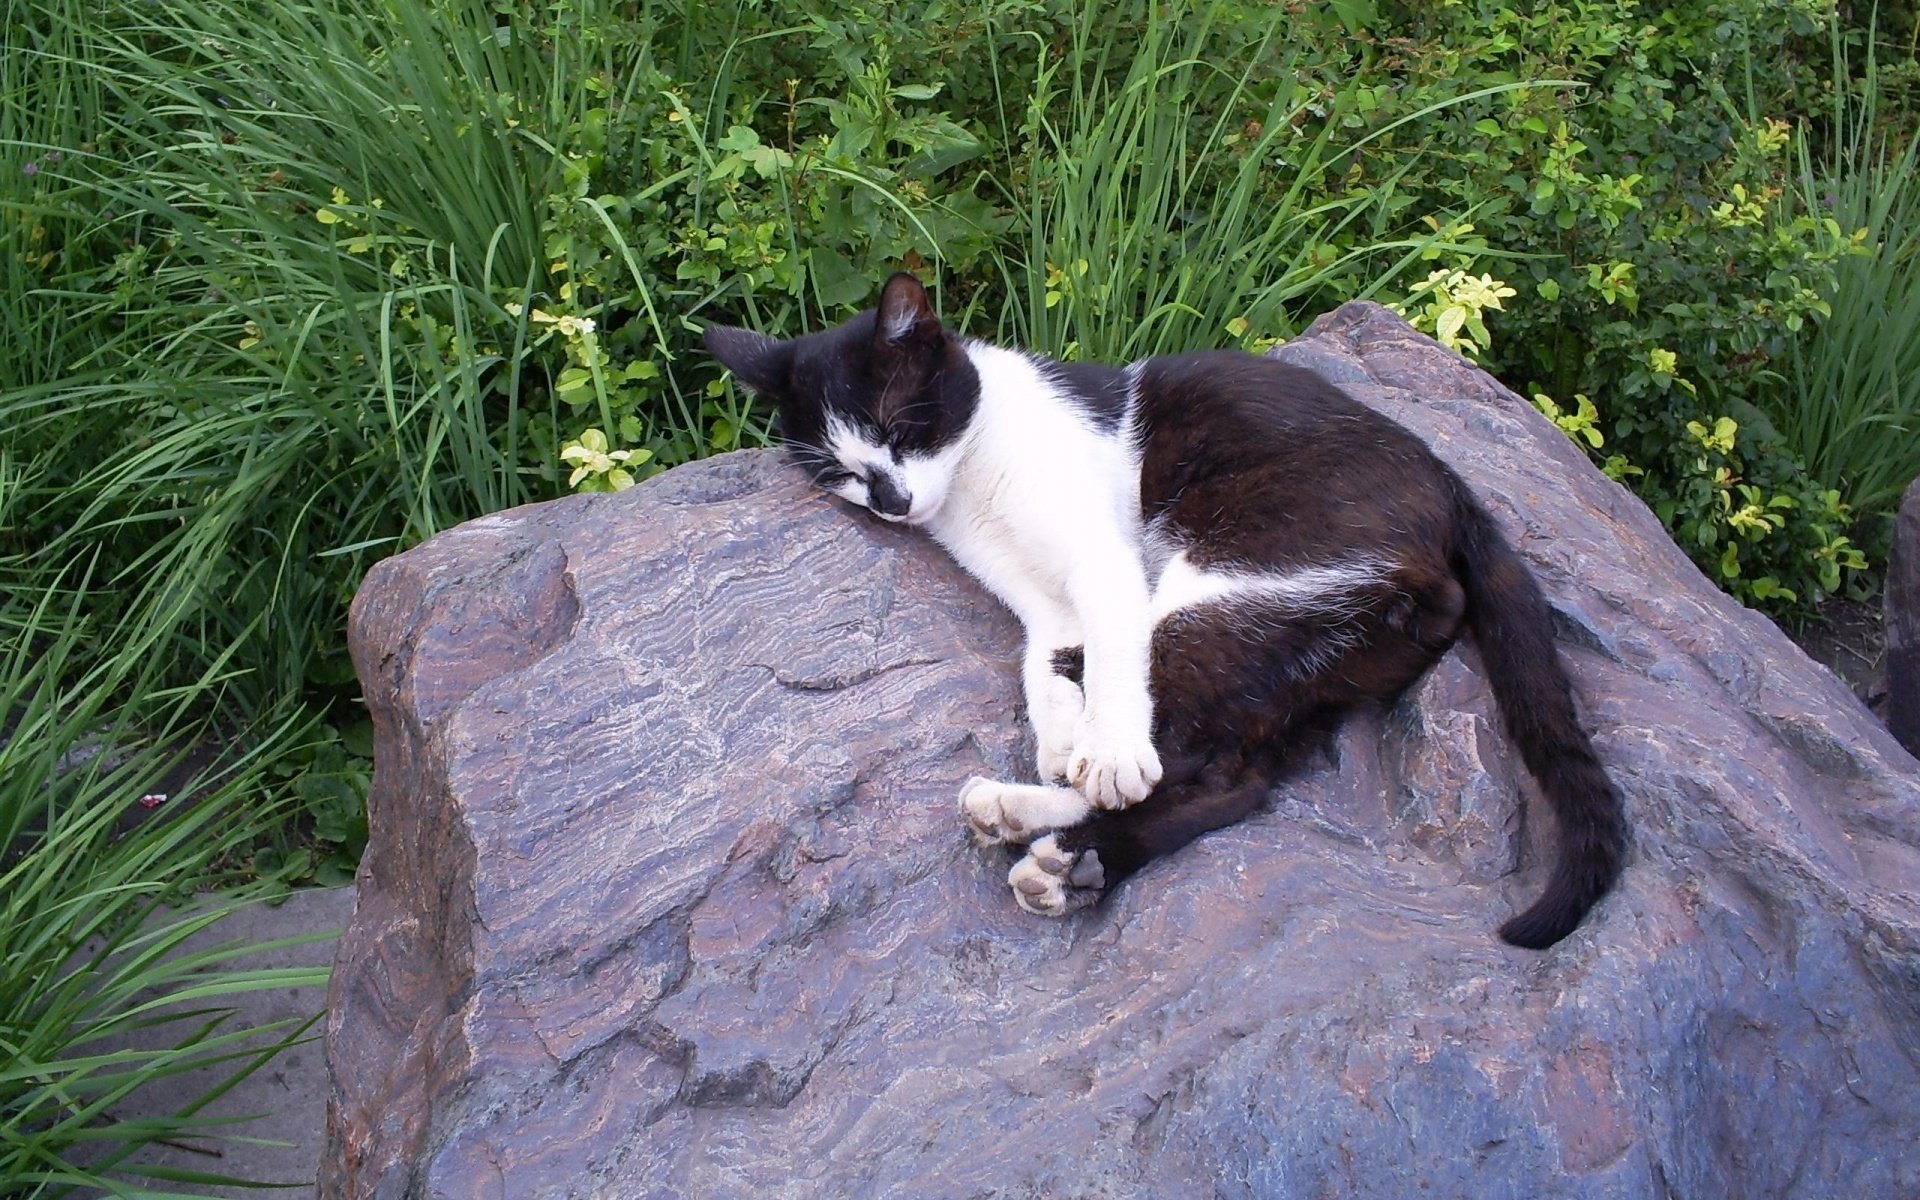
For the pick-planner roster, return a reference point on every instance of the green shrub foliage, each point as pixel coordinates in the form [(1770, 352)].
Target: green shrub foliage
[(1663, 271)]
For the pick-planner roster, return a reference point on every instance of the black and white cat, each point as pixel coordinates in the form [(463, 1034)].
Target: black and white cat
[(1211, 553)]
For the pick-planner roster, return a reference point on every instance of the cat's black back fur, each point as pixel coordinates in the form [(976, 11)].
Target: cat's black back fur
[(1257, 465)]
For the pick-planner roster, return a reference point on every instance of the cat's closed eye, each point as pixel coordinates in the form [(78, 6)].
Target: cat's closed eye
[(835, 477)]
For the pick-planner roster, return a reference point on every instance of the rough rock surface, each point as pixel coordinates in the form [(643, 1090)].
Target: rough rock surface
[(667, 895), (1901, 607)]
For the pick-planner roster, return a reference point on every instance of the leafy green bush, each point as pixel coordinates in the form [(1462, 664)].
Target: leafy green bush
[(1660, 278)]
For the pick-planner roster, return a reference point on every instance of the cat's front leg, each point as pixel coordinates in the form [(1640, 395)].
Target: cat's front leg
[(1114, 763), (1054, 702)]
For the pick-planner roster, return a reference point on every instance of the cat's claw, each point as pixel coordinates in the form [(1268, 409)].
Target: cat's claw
[(1052, 881), (1113, 775)]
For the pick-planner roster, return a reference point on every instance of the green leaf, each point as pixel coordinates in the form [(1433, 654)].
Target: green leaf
[(1355, 15), (835, 280), (738, 139), (357, 739), (943, 146)]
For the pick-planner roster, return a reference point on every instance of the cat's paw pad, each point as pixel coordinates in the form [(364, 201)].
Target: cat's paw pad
[(1113, 773), (1055, 711), (1052, 881)]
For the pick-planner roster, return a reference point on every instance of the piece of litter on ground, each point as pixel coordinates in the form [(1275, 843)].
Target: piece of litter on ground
[(153, 800)]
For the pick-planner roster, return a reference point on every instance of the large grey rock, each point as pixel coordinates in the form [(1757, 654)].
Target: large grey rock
[(667, 895)]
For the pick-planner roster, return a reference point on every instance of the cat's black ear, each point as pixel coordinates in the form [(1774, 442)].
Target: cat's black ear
[(906, 314), (759, 361)]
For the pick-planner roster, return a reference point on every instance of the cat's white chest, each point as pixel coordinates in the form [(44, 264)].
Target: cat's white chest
[(1039, 488)]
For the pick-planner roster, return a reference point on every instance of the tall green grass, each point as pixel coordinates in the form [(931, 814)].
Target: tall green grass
[(1852, 404), (268, 293), (1159, 204), (94, 889), (1179, 189), (234, 405)]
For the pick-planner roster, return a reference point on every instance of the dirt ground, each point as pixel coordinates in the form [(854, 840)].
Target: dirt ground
[(1849, 638)]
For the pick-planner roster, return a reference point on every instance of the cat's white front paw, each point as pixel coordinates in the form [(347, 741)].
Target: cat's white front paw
[(1018, 812), (1055, 711), (1113, 771), (1052, 881), (990, 822)]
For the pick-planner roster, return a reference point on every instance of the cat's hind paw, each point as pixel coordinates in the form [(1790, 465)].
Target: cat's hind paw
[(1052, 881), (1018, 812)]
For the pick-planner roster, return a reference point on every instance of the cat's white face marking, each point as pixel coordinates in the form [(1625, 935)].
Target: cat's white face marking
[(908, 489)]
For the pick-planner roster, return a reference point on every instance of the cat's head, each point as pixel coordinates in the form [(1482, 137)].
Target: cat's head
[(876, 409)]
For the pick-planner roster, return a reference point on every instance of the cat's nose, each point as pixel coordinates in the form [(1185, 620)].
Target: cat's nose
[(888, 498)]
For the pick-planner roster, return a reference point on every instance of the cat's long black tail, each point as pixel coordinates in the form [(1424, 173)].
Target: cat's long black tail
[(1513, 630)]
